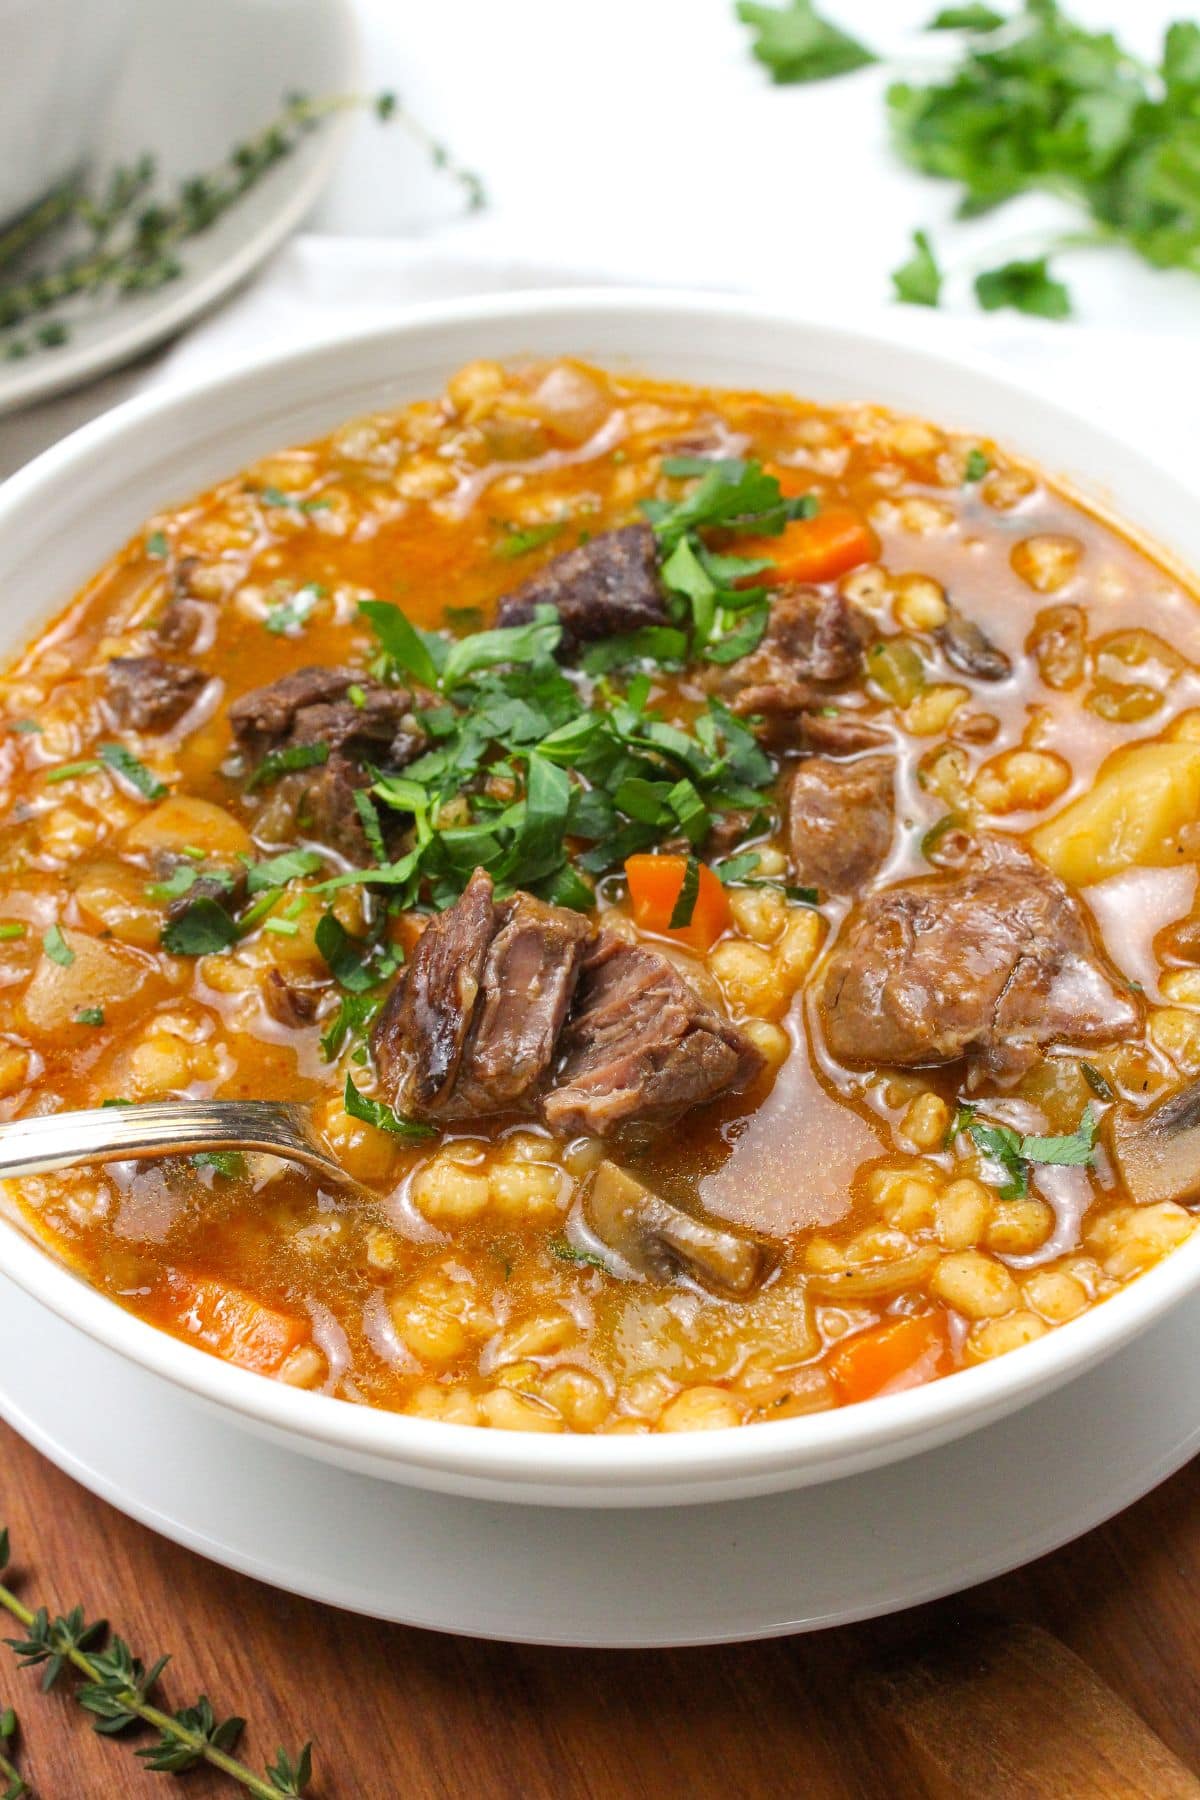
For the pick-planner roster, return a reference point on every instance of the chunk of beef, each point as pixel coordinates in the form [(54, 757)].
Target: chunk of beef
[(527, 987), (290, 1002), (607, 586), (228, 888), (641, 1044), (991, 963), (966, 646), (812, 648), (145, 693), (420, 1035), (474, 1026), (184, 620), (837, 733), (841, 816), (312, 706)]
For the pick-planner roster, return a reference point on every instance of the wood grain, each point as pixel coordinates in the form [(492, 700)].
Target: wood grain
[(397, 1712)]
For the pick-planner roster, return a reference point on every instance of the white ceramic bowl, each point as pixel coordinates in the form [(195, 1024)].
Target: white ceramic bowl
[(65, 513)]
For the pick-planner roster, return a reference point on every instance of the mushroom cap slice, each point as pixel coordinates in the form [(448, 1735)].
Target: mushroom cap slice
[(1157, 1152), (655, 1238)]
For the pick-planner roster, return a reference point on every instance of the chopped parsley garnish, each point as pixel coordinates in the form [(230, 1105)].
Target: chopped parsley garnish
[(381, 1115), (977, 465), (135, 774), (57, 948), (919, 280), (350, 959), (1099, 1084), (288, 617), (68, 771), (277, 871), (273, 496), (24, 726), (1016, 1152), (202, 930), (1027, 287), (796, 44), (566, 1252), (369, 819), (685, 902), (157, 545), (714, 593), (966, 18), (519, 541), (543, 779), (12, 928), (285, 761), (353, 1018), (229, 1163), (90, 1015)]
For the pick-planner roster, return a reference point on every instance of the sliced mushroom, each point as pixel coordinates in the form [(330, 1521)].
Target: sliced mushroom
[(966, 646), (655, 1238), (1157, 1152)]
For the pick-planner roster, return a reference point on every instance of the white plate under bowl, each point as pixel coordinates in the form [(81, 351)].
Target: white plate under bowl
[(608, 1578), (64, 513), (199, 79)]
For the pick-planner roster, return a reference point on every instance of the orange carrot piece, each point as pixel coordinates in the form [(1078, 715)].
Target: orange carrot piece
[(901, 1354), (816, 549), (655, 884), (233, 1324)]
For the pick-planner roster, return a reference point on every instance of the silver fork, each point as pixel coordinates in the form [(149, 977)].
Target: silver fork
[(37, 1146)]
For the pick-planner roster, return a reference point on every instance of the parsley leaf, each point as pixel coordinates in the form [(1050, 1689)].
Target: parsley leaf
[(229, 1163), (202, 930), (90, 1015), (124, 763), (156, 544), (566, 1252), (1016, 1152), (1027, 287), (277, 871), (354, 1015), (977, 465), (966, 18), (685, 902), (410, 651), (283, 762), (57, 948), (918, 282), (796, 44), (1071, 1151), (288, 617), (519, 542), (380, 1114), (347, 956)]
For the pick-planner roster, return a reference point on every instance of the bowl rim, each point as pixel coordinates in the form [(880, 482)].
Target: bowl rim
[(869, 1431)]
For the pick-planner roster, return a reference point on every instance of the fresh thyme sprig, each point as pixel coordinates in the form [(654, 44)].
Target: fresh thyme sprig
[(17, 1787), (126, 240), (116, 1690)]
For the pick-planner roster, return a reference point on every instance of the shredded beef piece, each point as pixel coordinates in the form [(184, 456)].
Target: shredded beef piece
[(607, 586), (228, 890), (641, 1044), (420, 1035), (812, 648), (289, 1002), (147, 694), (841, 816), (991, 963), (841, 733), (312, 706)]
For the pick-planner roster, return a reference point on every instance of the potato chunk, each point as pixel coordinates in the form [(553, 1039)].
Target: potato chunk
[(1134, 817), (100, 975), (183, 823)]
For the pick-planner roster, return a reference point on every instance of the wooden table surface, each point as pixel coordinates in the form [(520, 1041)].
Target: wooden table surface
[(409, 1713)]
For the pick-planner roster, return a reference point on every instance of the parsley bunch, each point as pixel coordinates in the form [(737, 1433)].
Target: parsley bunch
[(1016, 1152), (1034, 103)]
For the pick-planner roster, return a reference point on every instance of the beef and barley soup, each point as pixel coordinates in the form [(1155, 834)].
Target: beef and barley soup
[(720, 868)]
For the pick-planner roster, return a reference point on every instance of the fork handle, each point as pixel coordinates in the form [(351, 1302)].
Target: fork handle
[(49, 1141)]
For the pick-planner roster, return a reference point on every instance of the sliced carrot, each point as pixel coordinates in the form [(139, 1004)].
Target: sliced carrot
[(816, 549), (233, 1324), (655, 884), (901, 1354)]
